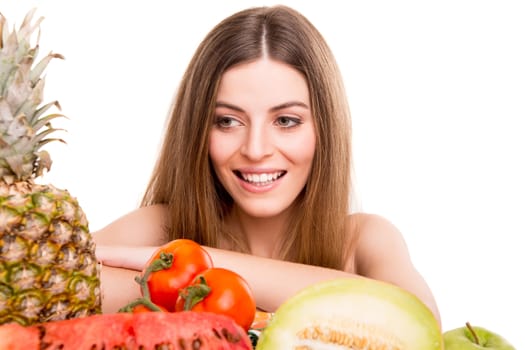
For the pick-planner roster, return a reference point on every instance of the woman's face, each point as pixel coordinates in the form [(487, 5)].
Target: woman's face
[(263, 140)]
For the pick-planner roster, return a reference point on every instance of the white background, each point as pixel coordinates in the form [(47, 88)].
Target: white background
[(436, 92)]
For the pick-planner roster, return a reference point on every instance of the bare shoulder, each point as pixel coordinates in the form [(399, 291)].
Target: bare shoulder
[(372, 227), (144, 226), (378, 239)]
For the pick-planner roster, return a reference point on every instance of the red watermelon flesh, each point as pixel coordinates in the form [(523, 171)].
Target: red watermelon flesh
[(14, 336), (124, 331)]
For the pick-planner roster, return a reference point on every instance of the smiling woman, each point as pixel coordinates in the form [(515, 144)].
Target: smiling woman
[(255, 165), (436, 93)]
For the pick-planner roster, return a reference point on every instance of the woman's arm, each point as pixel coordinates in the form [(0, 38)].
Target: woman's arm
[(382, 254), (128, 243), (141, 230), (273, 281), (118, 288)]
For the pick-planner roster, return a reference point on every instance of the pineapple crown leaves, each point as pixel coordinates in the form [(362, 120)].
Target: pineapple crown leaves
[(24, 124)]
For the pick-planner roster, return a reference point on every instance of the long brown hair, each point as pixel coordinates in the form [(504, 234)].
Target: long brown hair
[(184, 179)]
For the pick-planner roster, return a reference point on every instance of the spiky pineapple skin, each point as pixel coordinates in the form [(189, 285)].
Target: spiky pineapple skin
[(48, 268)]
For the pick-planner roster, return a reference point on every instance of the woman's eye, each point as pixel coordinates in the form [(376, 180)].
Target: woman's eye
[(287, 122), (226, 122)]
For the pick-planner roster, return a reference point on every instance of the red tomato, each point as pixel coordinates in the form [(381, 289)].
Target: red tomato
[(228, 294), (189, 259)]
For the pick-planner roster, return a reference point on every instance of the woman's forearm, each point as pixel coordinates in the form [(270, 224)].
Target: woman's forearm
[(120, 266), (118, 288), (128, 257), (273, 281)]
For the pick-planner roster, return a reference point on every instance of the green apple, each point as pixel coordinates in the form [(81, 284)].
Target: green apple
[(474, 338)]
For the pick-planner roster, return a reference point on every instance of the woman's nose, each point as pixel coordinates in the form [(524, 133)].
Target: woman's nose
[(257, 144)]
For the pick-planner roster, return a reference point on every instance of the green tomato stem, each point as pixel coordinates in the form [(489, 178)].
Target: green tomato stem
[(164, 261), (139, 301), (195, 293)]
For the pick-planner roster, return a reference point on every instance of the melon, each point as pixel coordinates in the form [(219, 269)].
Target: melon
[(352, 313), (127, 331)]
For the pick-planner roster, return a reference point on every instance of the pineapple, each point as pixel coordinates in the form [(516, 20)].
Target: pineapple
[(48, 268)]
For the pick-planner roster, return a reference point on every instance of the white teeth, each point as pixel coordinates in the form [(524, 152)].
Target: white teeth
[(261, 179)]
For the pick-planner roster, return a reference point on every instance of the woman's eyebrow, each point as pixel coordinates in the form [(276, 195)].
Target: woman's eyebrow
[(273, 109), (219, 104), (288, 105)]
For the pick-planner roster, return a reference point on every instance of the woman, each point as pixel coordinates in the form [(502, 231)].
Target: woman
[(255, 166)]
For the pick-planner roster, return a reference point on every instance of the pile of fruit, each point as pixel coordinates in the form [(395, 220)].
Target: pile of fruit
[(50, 286)]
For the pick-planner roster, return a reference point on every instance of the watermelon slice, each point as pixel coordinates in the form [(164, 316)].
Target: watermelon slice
[(126, 331)]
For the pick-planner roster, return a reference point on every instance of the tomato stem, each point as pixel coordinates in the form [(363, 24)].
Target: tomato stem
[(195, 293), (164, 261), (139, 301)]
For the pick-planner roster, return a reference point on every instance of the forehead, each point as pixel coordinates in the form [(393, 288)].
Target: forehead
[(263, 80)]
